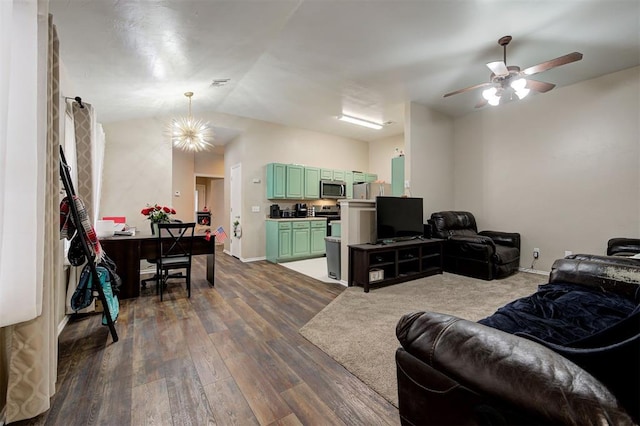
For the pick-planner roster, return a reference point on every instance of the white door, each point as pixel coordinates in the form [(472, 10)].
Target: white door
[(235, 199)]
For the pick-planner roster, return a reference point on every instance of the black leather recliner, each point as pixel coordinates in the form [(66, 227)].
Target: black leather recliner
[(452, 371), (485, 255)]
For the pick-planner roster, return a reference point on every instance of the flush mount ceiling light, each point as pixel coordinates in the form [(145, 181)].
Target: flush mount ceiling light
[(360, 122), (191, 134)]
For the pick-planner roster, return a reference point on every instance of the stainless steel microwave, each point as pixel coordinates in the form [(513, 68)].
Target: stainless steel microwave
[(333, 189)]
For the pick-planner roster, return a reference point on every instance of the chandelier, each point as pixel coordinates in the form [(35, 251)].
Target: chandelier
[(191, 134)]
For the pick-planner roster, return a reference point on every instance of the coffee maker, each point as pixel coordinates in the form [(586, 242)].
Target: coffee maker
[(274, 211), (301, 209)]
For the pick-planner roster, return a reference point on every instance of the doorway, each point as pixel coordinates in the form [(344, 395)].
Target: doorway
[(209, 201), (235, 204)]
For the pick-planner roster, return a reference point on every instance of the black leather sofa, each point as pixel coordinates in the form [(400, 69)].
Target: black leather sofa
[(485, 255), (457, 372), (623, 246)]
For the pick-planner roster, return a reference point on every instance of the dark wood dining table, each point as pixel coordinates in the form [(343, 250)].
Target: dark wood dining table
[(127, 251)]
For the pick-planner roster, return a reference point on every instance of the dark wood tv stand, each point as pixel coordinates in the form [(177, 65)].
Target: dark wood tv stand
[(392, 263)]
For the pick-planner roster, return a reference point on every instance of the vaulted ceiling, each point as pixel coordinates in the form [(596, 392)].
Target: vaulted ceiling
[(301, 63)]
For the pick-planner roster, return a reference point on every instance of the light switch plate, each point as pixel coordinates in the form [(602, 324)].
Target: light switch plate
[(255, 209)]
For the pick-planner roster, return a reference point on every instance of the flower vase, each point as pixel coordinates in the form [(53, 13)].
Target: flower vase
[(154, 226)]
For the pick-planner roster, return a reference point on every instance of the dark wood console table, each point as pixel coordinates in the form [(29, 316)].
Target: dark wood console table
[(127, 252), (391, 263)]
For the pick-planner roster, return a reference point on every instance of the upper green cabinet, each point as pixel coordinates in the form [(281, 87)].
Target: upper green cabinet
[(326, 174), (276, 180), (312, 183), (348, 178), (295, 182), (291, 181), (397, 176)]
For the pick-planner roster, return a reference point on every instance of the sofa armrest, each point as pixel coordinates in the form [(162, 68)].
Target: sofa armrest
[(511, 239), (623, 246), (510, 368), (473, 239), (617, 275)]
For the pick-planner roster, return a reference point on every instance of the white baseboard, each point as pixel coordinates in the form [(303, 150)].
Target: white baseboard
[(533, 271), (61, 326), (245, 260), (253, 259)]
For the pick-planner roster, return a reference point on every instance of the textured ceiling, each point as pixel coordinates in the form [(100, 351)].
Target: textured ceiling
[(302, 63)]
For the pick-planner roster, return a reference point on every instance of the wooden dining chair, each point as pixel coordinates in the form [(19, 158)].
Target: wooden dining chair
[(174, 251)]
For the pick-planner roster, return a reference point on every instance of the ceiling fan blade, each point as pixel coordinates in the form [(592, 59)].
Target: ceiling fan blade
[(466, 89), (562, 60), (540, 86), (499, 68)]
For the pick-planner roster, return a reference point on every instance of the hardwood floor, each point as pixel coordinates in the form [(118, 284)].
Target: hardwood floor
[(229, 355)]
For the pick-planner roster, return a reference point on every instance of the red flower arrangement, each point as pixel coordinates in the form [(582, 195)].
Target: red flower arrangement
[(157, 213)]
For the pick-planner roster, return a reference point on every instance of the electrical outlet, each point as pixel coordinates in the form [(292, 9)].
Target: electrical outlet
[(567, 253), (536, 253)]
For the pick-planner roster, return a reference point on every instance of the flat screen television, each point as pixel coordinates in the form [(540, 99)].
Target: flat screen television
[(398, 218)]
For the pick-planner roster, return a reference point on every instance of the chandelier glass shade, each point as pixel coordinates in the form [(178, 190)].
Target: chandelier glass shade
[(190, 134)]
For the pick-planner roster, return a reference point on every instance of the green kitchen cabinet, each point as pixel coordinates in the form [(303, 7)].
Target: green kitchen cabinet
[(326, 174), (358, 177), (397, 176), (348, 178), (301, 239), (336, 228), (338, 175), (318, 232), (370, 177), (295, 182), (312, 177), (279, 241), (276, 180), (294, 239)]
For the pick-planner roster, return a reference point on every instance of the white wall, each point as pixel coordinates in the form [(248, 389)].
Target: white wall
[(561, 168), (380, 154), (429, 157), (137, 169)]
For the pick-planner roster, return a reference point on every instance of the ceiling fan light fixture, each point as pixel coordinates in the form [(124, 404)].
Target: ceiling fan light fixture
[(489, 93), (519, 84), (360, 122), (190, 134), (495, 101), (522, 93)]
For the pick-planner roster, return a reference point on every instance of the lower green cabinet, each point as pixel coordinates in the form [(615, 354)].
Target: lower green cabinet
[(318, 232), (301, 239), (295, 239)]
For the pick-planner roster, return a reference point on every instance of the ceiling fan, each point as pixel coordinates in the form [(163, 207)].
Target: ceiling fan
[(505, 81)]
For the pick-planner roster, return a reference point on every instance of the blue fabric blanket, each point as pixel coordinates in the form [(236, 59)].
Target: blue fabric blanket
[(562, 313), (597, 330)]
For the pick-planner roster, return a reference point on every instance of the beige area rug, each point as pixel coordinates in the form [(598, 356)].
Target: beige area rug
[(357, 329)]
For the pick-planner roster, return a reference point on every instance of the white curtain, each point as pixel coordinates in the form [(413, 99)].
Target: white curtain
[(32, 345), (21, 212)]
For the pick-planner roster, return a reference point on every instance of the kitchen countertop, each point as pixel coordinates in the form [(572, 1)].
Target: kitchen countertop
[(296, 219)]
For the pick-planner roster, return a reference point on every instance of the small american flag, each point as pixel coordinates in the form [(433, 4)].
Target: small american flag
[(220, 234)]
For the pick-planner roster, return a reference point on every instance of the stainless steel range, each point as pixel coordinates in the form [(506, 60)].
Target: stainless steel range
[(331, 212)]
